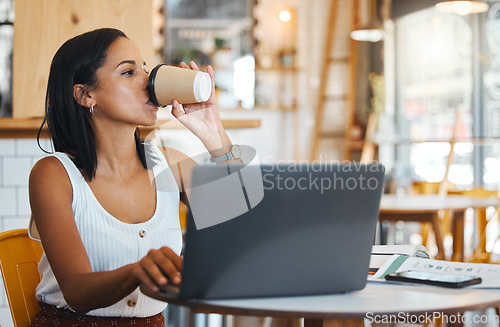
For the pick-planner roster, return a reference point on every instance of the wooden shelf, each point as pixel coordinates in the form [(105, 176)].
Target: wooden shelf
[(28, 128), (13, 128), (278, 69), (227, 123)]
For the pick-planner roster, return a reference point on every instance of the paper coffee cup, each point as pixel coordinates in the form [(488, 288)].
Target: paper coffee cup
[(168, 83)]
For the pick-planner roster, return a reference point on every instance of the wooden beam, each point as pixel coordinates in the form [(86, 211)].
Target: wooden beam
[(13, 128), (320, 105)]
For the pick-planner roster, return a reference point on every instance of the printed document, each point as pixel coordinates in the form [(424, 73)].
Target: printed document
[(489, 273)]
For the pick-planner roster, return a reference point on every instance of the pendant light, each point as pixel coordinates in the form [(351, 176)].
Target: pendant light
[(462, 7), (373, 31)]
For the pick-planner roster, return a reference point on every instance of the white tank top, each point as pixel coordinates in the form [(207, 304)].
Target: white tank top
[(111, 243)]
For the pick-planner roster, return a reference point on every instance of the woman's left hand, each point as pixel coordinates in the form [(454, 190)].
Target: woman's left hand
[(202, 119)]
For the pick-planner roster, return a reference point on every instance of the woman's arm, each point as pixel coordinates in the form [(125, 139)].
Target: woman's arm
[(50, 198), (181, 166)]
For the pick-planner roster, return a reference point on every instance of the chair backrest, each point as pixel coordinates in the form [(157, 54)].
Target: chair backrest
[(19, 257)]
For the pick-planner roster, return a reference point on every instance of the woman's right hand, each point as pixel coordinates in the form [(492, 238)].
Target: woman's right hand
[(158, 268)]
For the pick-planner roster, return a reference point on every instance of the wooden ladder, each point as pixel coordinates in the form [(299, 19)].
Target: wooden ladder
[(328, 60)]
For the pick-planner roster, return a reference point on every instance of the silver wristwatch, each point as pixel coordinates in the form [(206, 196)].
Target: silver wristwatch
[(235, 153)]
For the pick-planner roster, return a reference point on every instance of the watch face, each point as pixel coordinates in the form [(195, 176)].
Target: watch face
[(236, 151)]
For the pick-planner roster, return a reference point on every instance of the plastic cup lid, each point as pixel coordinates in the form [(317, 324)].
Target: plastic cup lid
[(202, 86)]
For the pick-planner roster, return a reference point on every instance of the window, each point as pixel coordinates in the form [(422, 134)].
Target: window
[(448, 63)]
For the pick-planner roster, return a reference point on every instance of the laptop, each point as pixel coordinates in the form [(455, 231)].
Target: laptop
[(310, 233)]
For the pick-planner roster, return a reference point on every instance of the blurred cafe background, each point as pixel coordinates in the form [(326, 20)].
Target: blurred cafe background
[(414, 84)]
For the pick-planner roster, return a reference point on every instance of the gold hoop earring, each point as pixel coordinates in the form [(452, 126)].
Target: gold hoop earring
[(91, 110)]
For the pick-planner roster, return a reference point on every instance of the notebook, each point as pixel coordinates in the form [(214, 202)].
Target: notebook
[(381, 253), (311, 233)]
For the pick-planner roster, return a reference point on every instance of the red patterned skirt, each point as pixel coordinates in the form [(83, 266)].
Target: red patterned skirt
[(50, 316)]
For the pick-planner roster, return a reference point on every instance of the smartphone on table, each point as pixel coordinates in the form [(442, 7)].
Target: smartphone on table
[(434, 278)]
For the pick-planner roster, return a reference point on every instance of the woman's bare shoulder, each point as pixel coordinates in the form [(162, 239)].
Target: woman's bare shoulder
[(48, 165), (49, 171)]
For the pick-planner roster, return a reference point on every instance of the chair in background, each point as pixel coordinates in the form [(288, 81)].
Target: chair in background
[(429, 188), (421, 187), (480, 253), (19, 257), (182, 216)]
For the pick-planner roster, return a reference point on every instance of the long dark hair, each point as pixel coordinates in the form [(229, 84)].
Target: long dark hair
[(76, 62)]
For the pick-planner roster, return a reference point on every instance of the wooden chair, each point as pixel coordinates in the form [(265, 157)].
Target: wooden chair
[(480, 253), (427, 221), (444, 216), (19, 257), (420, 187), (183, 215)]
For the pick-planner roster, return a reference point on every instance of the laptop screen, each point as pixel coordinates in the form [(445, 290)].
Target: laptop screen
[(311, 232)]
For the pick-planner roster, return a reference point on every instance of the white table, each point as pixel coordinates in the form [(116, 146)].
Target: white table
[(329, 310)]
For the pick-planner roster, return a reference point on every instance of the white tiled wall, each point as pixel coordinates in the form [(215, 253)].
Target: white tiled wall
[(17, 157)]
